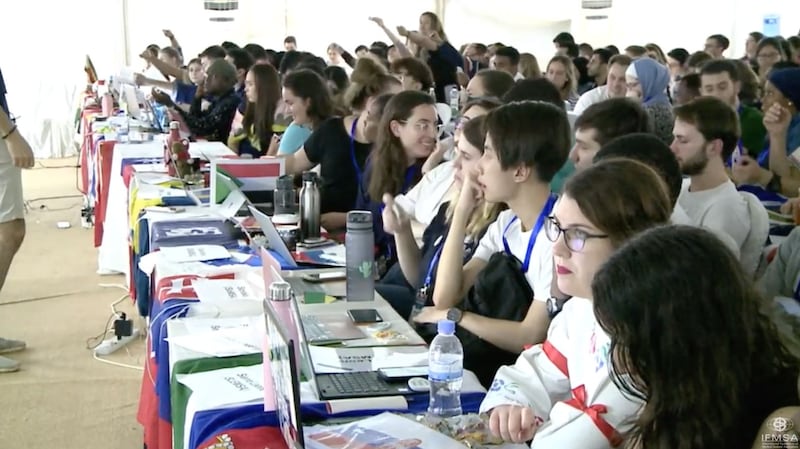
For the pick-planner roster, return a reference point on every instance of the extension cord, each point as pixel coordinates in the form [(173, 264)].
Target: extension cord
[(111, 345)]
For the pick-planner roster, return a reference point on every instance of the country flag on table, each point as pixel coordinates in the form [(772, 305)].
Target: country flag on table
[(250, 175)]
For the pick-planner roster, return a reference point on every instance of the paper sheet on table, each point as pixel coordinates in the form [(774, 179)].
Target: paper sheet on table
[(209, 150), (234, 202), (194, 253), (335, 254), (221, 343), (207, 325), (343, 360), (223, 290), (239, 385), (154, 192)]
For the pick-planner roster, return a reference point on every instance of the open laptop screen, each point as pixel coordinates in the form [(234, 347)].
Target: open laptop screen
[(285, 379)]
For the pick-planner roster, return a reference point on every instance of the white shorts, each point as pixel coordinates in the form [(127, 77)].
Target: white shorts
[(12, 205)]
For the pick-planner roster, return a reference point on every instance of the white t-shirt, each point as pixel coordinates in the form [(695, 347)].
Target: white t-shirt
[(589, 98), (679, 216), (519, 76), (721, 210), (540, 269), (423, 201)]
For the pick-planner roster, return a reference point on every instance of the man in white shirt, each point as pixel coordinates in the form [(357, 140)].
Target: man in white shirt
[(526, 144), (615, 86), (706, 133)]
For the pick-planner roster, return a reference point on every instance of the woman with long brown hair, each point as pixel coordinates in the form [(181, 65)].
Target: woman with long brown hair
[(406, 137), (262, 87), (563, 74)]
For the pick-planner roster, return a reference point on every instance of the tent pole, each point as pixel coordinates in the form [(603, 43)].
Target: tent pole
[(125, 33)]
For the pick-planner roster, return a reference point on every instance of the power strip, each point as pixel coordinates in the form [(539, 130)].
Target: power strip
[(111, 345)]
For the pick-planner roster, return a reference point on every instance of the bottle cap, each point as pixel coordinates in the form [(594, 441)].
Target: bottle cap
[(309, 176), (285, 182), (280, 291), (174, 125), (359, 220), (446, 327)]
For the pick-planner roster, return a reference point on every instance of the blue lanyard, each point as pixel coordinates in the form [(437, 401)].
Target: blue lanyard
[(357, 169), (763, 157), (434, 261), (548, 207), (797, 291)]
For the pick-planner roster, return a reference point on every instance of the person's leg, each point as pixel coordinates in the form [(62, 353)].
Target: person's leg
[(12, 233)]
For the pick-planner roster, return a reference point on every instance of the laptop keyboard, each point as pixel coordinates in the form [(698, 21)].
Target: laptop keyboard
[(358, 383), (313, 329)]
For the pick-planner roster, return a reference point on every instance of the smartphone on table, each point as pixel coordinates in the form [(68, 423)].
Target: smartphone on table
[(365, 316), (402, 374)]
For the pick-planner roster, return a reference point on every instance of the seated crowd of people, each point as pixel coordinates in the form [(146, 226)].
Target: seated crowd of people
[(596, 229)]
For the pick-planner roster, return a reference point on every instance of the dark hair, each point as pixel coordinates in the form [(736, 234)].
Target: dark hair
[(613, 49), (718, 66), (692, 82), (572, 49), (698, 59), (307, 84), (227, 45), (756, 35), (539, 89), (479, 48), (474, 131), (289, 61), (416, 69), (585, 47), (290, 40), (337, 76), (311, 62), (691, 338), (621, 197), (256, 51), (603, 54), (361, 47), (785, 65), (651, 151), (535, 134), (776, 43), (714, 119), (748, 80), (563, 38), (194, 61), (213, 52), (613, 118), (795, 42), (153, 49), (620, 60), (496, 83), (721, 40), (380, 44), (260, 115), (487, 103), (388, 159), (679, 54), (582, 70), (241, 59), (508, 52), (636, 50), (368, 79)]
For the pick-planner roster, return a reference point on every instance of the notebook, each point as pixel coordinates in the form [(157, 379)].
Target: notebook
[(285, 379)]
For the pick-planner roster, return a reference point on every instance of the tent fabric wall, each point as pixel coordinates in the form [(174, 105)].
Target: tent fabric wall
[(114, 32)]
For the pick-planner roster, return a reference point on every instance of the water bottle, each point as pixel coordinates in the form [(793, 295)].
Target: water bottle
[(432, 93), (280, 297), (359, 243), (453, 98), (445, 372), (284, 196), (309, 208)]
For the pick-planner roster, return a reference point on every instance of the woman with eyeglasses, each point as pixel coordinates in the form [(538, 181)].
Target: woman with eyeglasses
[(560, 393), (406, 137), (418, 264), (770, 51)]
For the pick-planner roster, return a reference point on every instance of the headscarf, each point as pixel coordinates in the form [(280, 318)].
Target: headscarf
[(788, 82), (653, 78)]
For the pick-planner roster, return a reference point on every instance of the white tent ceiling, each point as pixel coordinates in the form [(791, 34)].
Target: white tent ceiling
[(114, 32)]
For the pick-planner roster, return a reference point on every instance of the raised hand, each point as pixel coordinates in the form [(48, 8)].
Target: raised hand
[(168, 34), (394, 217), (777, 119), (378, 21)]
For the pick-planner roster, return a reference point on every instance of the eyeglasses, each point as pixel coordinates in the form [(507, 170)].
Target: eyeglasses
[(574, 238), (424, 127), (771, 55)]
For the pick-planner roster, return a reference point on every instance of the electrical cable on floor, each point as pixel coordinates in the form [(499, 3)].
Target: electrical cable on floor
[(43, 298), (120, 365)]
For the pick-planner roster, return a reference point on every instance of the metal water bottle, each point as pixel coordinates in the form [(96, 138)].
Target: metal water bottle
[(359, 246), (280, 297), (309, 208)]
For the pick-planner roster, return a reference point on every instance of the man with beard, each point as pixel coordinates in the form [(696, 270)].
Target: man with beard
[(720, 78), (706, 133)]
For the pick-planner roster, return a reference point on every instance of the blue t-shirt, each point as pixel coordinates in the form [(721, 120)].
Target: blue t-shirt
[(293, 138), (184, 93)]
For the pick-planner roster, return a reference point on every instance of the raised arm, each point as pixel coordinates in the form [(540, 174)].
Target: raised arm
[(173, 42), (398, 223), (165, 68), (401, 47)]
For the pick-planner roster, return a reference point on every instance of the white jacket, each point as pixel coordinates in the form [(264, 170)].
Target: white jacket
[(566, 382)]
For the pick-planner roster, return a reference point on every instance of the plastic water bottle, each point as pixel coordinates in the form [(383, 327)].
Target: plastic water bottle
[(453, 98), (445, 372)]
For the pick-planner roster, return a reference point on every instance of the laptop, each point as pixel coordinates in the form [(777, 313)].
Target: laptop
[(319, 329), (285, 379), (277, 244)]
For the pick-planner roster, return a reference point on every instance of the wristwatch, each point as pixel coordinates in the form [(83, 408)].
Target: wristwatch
[(455, 314)]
